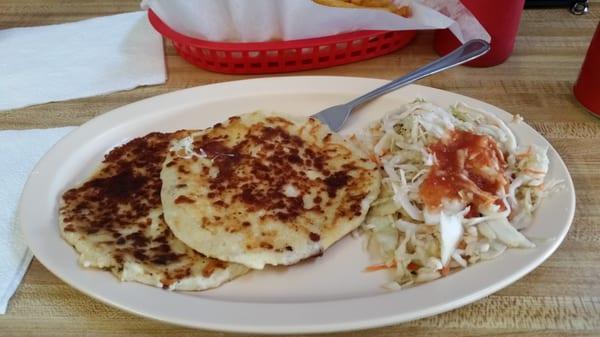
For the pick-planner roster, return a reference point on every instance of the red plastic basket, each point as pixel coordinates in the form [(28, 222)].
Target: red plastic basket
[(282, 56)]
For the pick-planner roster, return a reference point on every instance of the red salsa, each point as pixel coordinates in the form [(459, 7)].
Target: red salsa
[(467, 167)]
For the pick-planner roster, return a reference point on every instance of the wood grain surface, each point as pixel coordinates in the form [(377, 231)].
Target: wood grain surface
[(559, 298)]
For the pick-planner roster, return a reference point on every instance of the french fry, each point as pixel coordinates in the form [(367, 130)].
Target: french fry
[(372, 3), (336, 3), (404, 11), (376, 3), (387, 5)]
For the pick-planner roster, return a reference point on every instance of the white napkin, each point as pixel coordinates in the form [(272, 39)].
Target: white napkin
[(79, 59), (19, 152)]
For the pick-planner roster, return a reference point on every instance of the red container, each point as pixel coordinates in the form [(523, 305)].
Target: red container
[(500, 18), (282, 56), (587, 87)]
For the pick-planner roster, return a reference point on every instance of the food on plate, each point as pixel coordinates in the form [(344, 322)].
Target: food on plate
[(456, 189), (192, 209), (388, 5), (265, 189), (115, 221)]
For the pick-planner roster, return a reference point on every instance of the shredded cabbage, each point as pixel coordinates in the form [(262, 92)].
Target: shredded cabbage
[(422, 244)]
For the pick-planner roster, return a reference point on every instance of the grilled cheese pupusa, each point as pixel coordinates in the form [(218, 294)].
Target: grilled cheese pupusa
[(265, 189), (115, 221)]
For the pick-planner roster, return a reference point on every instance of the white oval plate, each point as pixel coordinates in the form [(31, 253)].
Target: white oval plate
[(330, 293)]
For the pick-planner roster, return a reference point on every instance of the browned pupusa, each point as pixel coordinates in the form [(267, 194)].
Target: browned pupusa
[(115, 221), (265, 189)]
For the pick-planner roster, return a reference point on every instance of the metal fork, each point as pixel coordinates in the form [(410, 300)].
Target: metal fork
[(336, 116)]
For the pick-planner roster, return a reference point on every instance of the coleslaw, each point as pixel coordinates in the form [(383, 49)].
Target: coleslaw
[(457, 189)]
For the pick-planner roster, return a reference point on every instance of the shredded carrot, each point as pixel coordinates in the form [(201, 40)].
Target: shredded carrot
[(524, 154), (380, 266), (412, 266)]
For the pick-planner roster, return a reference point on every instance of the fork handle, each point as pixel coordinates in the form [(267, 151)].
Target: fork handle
[(467, 52)]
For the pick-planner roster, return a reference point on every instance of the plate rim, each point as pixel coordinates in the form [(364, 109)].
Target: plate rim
[(301, 328)]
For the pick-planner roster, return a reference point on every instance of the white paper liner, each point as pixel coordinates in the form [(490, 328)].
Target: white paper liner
[(265, 20)]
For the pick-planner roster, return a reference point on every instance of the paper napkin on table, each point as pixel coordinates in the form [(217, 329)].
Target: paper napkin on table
[(80, 59), (19, 152)]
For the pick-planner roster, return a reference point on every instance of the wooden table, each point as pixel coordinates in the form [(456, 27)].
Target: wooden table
[(559, 298)]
